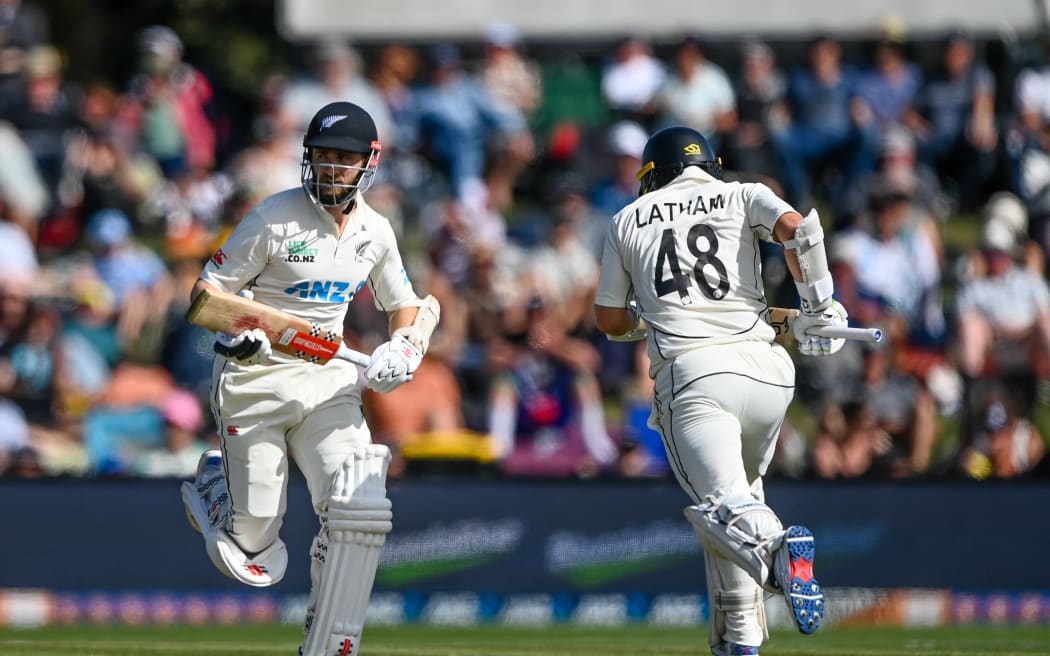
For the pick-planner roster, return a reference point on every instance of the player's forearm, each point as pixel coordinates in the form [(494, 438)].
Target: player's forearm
[(614, 321), (402, 318)]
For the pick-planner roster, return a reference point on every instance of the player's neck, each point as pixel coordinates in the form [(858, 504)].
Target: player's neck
[(341, 219)]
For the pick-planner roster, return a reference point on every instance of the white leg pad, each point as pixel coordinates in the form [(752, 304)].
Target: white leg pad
[(742, 530), (357, 522), (207, 507), (736, 605)]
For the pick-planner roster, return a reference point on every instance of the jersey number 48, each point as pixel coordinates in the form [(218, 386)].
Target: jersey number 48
[(678, 281)]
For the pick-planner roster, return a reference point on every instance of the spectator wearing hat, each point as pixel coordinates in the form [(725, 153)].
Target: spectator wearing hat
[(167, 115), (897, 164), (896, 236), (624, 142), (506, 74), (1003, 322), (137, 280), (1005, 444), (180, 451), (44, 111)]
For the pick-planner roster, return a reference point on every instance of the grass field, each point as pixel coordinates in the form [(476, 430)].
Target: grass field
[(494, 641)]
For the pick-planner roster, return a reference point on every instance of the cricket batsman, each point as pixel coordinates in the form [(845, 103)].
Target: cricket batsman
[(308, 251), (681, 268)]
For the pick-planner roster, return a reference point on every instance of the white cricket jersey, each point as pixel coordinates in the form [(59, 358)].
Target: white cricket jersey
[(288, 252), (688, 253)]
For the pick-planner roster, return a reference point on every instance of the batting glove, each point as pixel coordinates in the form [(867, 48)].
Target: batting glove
[(393, 364), (248, 347), (809, 344)]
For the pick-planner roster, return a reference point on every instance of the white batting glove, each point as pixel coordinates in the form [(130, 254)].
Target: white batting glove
[(393, 364), (833, 315), (248, 347)]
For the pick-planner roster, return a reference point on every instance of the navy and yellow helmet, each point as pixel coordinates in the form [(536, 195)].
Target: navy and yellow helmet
[(669, 151)]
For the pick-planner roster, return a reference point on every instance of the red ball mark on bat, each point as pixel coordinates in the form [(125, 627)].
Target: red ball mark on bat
[(247, 322)]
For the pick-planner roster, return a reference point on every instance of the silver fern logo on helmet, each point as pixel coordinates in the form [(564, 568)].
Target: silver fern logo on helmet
[(329, 121)]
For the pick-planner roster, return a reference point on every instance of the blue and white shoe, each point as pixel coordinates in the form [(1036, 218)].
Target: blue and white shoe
[(794, 573)]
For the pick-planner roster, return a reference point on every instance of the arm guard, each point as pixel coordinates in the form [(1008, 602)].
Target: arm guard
[(422, 327), (816, 287)]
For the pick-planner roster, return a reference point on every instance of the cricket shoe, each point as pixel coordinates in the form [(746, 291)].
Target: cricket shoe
[(733, 649), (793, 565), (209, 475)]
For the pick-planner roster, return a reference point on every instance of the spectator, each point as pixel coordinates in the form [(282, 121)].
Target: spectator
[(459, 123), (632, 80), (337, 75), (760, 107), (896, 267), (546, 413), (23, 192), (831, 126), (697, 93), (45, 112), (848, 441), (507, 76), (22, 26), (624, 141), (954, 119), (1006, 444), (137, 279), (1003, 323), (891, 85), (395, 71), (167, 109), (177, 455), (897, 163)]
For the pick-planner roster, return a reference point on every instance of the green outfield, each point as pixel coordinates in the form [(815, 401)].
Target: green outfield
[(495, 641)]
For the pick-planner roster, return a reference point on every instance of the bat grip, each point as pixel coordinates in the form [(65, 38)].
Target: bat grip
[(346, 353), (841, 332)]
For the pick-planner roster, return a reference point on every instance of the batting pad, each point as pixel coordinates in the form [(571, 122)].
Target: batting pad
[(742, 530), (358, 520)]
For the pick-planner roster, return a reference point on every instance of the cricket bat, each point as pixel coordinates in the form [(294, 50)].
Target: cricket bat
[(781, 318), (230, 313)]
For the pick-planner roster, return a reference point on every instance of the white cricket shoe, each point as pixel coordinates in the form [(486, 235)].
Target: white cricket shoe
[(209, 474), (793, 566)]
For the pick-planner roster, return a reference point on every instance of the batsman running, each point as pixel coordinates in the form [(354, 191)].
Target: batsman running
[(308, 251), (681, 268)]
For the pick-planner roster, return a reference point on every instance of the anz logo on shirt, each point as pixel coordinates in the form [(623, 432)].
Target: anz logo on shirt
[(330, 291)]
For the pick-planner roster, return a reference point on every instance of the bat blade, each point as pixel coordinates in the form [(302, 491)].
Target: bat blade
[(230, 313)]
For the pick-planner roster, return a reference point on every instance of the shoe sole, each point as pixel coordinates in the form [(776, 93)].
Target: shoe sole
[(804, 594)]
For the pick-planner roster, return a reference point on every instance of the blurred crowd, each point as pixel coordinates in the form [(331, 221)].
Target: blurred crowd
[(501, 172)]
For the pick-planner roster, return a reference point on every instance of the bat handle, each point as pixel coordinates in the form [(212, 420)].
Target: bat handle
[(840, 332), (346, 353)]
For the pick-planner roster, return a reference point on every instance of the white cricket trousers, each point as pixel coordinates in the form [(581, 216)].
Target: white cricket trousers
[(266, 412), (719, 410)]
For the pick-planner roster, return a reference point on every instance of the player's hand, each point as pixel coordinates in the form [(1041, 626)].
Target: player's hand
[(393, 364), (248, 347), (833, 315)]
